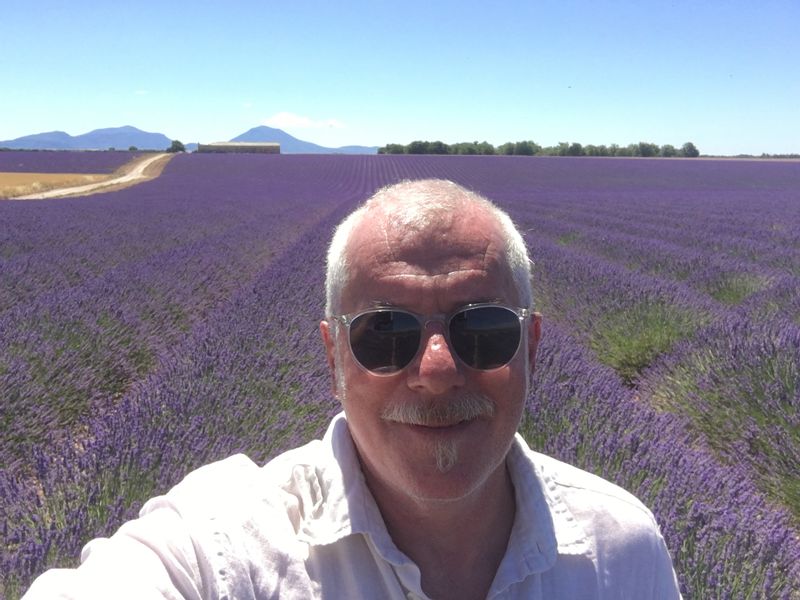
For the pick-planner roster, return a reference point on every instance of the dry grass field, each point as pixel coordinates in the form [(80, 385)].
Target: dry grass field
[(20, 184), (13, 185)]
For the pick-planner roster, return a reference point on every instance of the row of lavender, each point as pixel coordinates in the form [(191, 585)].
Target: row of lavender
[(206, 391), (693, 299), (57, 161), (710, 337), (95, 291), (161, 256)]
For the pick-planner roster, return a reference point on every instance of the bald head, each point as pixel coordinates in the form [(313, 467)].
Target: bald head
[(395, 221)]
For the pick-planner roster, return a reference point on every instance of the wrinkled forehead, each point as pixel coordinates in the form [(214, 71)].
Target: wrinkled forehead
[(443, 244)]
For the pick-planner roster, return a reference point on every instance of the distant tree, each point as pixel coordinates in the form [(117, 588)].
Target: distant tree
[(531, 148), (562, 149), (507, 148), (668, 151), (575, 149), (592, 150), (392, 149), (176, 146), (438, 147), (132, 149), (626, 150), (484, 147), (689, 150), (463, 148), (647, 149), (417, 147), (525, 148)]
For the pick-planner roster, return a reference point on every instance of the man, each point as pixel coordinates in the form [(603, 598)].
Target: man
[(421, 489)]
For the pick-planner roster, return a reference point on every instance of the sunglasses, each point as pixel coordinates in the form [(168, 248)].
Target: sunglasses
[(384, 341)]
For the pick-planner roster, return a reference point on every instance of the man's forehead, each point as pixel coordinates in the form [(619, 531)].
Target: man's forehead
[(470, 231), (436, 251), (464, 256), (426, 290)]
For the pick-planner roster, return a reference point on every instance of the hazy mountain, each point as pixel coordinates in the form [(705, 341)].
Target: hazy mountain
[(291, 145), (50, 140), (123, 138), (120, 138)]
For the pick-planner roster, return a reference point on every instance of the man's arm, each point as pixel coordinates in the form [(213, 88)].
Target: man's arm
[(179, 547), (150, 557)]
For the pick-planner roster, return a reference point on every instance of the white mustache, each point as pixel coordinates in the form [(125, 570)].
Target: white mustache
[(464, 407)]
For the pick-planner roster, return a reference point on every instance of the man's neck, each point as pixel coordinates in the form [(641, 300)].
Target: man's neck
[(457, 544)]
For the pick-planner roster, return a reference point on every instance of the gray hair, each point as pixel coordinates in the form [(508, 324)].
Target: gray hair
[(415, 206)]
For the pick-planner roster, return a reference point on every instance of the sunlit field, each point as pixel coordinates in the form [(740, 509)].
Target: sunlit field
[(18, 184), (148, 331), (26, 172)]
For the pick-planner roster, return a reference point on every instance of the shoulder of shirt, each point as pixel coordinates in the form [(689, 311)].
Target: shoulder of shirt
[(571, 481), (607, 521), (235, 480)]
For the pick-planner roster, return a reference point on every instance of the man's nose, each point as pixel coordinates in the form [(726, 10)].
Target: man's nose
[(437, 370)]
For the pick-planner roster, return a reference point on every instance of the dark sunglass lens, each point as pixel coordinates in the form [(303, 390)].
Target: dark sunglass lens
[(485, 337), (384, 341)]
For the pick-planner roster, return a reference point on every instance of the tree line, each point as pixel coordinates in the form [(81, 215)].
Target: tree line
[(530, 148)]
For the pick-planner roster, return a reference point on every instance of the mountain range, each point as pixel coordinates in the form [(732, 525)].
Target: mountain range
[(122, 138), (291, 145)]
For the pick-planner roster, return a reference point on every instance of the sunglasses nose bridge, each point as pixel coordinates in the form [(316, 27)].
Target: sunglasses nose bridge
[(435, 343), (426, 321), (435, 368), (432, 325)]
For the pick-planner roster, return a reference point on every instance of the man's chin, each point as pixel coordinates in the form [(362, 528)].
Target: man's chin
[(445, 477), (446, 455)]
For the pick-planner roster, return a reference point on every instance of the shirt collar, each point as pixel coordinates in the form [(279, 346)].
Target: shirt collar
[(543, 525), (543, 528), (348, 506)]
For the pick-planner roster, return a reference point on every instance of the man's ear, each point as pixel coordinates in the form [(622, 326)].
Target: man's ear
[(330, 352), (534, 335)]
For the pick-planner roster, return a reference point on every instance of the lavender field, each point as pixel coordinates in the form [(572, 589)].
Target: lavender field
[(61, 161), (154, 329)]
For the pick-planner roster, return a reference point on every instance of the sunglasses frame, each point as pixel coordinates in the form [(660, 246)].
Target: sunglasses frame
[(347, 319)]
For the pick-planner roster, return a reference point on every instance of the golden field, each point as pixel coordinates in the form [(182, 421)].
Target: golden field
[(20, 184)]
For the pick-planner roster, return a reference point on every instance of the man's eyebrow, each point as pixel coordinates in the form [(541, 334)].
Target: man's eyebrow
[(381, 303), (486, 300), (478, 300)]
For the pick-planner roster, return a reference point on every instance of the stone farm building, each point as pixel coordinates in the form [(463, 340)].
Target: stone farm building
[(260, 147)]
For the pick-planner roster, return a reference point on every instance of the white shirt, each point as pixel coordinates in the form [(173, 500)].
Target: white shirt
[(306, 526)]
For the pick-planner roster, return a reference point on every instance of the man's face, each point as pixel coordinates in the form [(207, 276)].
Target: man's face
[(459, 263)]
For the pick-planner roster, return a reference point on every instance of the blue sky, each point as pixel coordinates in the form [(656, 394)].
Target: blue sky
[(723, 74)]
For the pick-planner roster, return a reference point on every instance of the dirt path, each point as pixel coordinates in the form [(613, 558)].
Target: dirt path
[(144, 170)]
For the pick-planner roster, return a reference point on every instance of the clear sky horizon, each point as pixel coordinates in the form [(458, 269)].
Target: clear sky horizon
[(721, 74)]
